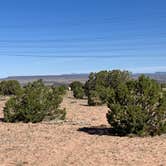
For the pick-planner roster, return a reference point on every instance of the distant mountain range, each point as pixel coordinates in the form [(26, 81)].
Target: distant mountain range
[(68, 78), (51, 79)]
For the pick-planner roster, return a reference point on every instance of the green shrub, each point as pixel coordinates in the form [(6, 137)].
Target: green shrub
[(36, 104), (137, 107), (61, 90), (75, 84), (102, 83), (11, 87), (90, 84), (78, 93), (163, 85), (94, 98), (78, 89)]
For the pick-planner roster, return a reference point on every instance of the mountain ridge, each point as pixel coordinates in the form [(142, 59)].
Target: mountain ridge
[(82, 77)]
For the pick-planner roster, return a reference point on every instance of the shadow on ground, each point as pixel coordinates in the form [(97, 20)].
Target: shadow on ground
[(86, 105), (1, 119), (99, 130)]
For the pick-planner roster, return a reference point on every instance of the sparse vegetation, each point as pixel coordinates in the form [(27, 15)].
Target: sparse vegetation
[(36, 104), (163, 86), (137, 107), (78, 93), (78, 89), (100, 84), (11, 87), (94, 98), (61, 90), (75, 84)]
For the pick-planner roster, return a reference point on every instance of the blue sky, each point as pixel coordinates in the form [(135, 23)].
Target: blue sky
[(39, 37)]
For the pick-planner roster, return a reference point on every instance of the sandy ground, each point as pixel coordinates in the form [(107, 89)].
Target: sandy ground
[(82, 140)]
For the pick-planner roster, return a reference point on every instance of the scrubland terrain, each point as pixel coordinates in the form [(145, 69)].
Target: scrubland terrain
[(69, 78), (83, 139)]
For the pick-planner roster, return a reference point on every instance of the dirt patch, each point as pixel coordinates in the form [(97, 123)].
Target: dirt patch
[(83, 139)]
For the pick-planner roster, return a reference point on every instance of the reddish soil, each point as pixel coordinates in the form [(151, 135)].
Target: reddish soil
[(82, 140)]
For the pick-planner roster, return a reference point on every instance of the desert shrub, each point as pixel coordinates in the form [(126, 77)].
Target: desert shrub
[(90, 84), (94, 98), (61, 90), (163, 85), (36, 104), (102, 83), (78, 89), (75, 84), (11, 87), (78, 93), (137, 107)]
